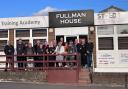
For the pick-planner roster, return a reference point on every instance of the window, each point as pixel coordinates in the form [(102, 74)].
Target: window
[(39, 32), (22, 33), (105, 43), (41, 40), (2, 44), (122, 42), (24, 41), (105, 30), (122, 29), (3, 33)]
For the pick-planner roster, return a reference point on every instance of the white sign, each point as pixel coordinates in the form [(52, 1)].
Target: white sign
[(112, 61), (24, 22), (111, 18), (105, 58), (115, 60), (105, 30)]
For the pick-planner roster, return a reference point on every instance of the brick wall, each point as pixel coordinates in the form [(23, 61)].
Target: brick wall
[(51, 34), (24, 76), (109, 78), (11, 36)]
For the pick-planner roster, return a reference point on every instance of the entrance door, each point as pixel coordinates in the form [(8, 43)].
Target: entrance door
[(71, 38), (58, 38)]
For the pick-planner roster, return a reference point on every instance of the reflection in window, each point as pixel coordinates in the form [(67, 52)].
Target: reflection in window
[(22, 33), (3, 43), (3, 33), (122, 42), (39, 32), (122, 29), (105, 43), (105, 30)]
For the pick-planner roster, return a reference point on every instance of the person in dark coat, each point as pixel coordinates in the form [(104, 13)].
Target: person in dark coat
[(9, 51), (77, 45), (71, 50), (40, 51), (51, 50), (89, 51), (20, 51), (83, 53), (45, 47), (30, 51), (25, 57), (36, 46)]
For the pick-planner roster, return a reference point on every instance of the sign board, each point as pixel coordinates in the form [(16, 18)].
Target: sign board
[(76, 18), (24, 22), (114, 60), (111, 18), (105, 58), (111, 61)]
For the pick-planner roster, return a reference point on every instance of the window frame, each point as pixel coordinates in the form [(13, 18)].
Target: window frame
[(105, 48), (21, 30), (5, 38), (29, 38), (105, 36), (42, 34)]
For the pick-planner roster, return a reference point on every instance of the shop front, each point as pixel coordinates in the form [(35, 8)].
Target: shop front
[(71, 25), (29, 29), (111, 42)]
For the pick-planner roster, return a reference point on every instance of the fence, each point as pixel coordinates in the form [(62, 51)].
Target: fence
[(44, 62)]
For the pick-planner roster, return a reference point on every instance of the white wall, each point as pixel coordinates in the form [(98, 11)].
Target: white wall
[(115, 60), (12, 23), (70, 31)]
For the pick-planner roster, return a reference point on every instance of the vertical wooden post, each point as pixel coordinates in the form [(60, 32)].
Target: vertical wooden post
[(51, 34)]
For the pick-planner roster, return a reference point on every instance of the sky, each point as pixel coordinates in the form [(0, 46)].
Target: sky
[(16, 8)]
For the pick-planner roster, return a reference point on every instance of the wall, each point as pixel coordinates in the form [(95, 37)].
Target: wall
[(105, 76), (51, 34)]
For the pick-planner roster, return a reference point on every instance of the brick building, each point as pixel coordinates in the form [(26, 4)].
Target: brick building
[(111, 64), (108, 30), (29, 29)]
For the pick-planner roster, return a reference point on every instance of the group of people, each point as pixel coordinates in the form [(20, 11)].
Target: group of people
[(83, 48)]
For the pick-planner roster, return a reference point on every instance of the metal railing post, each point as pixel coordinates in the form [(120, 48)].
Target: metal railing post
[(126, 81)]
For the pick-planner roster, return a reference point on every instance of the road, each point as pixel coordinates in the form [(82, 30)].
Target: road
[(10, 85)]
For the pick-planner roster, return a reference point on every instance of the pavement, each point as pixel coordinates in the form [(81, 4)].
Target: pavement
[(17, 85)]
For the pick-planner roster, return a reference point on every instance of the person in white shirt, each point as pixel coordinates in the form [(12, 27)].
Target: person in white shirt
[(59, 50)]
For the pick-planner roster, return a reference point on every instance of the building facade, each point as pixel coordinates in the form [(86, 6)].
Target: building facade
[(111, 63), (108, 30), (29, 29)]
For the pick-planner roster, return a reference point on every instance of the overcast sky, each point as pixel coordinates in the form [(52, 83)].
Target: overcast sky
[(15, 8)]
